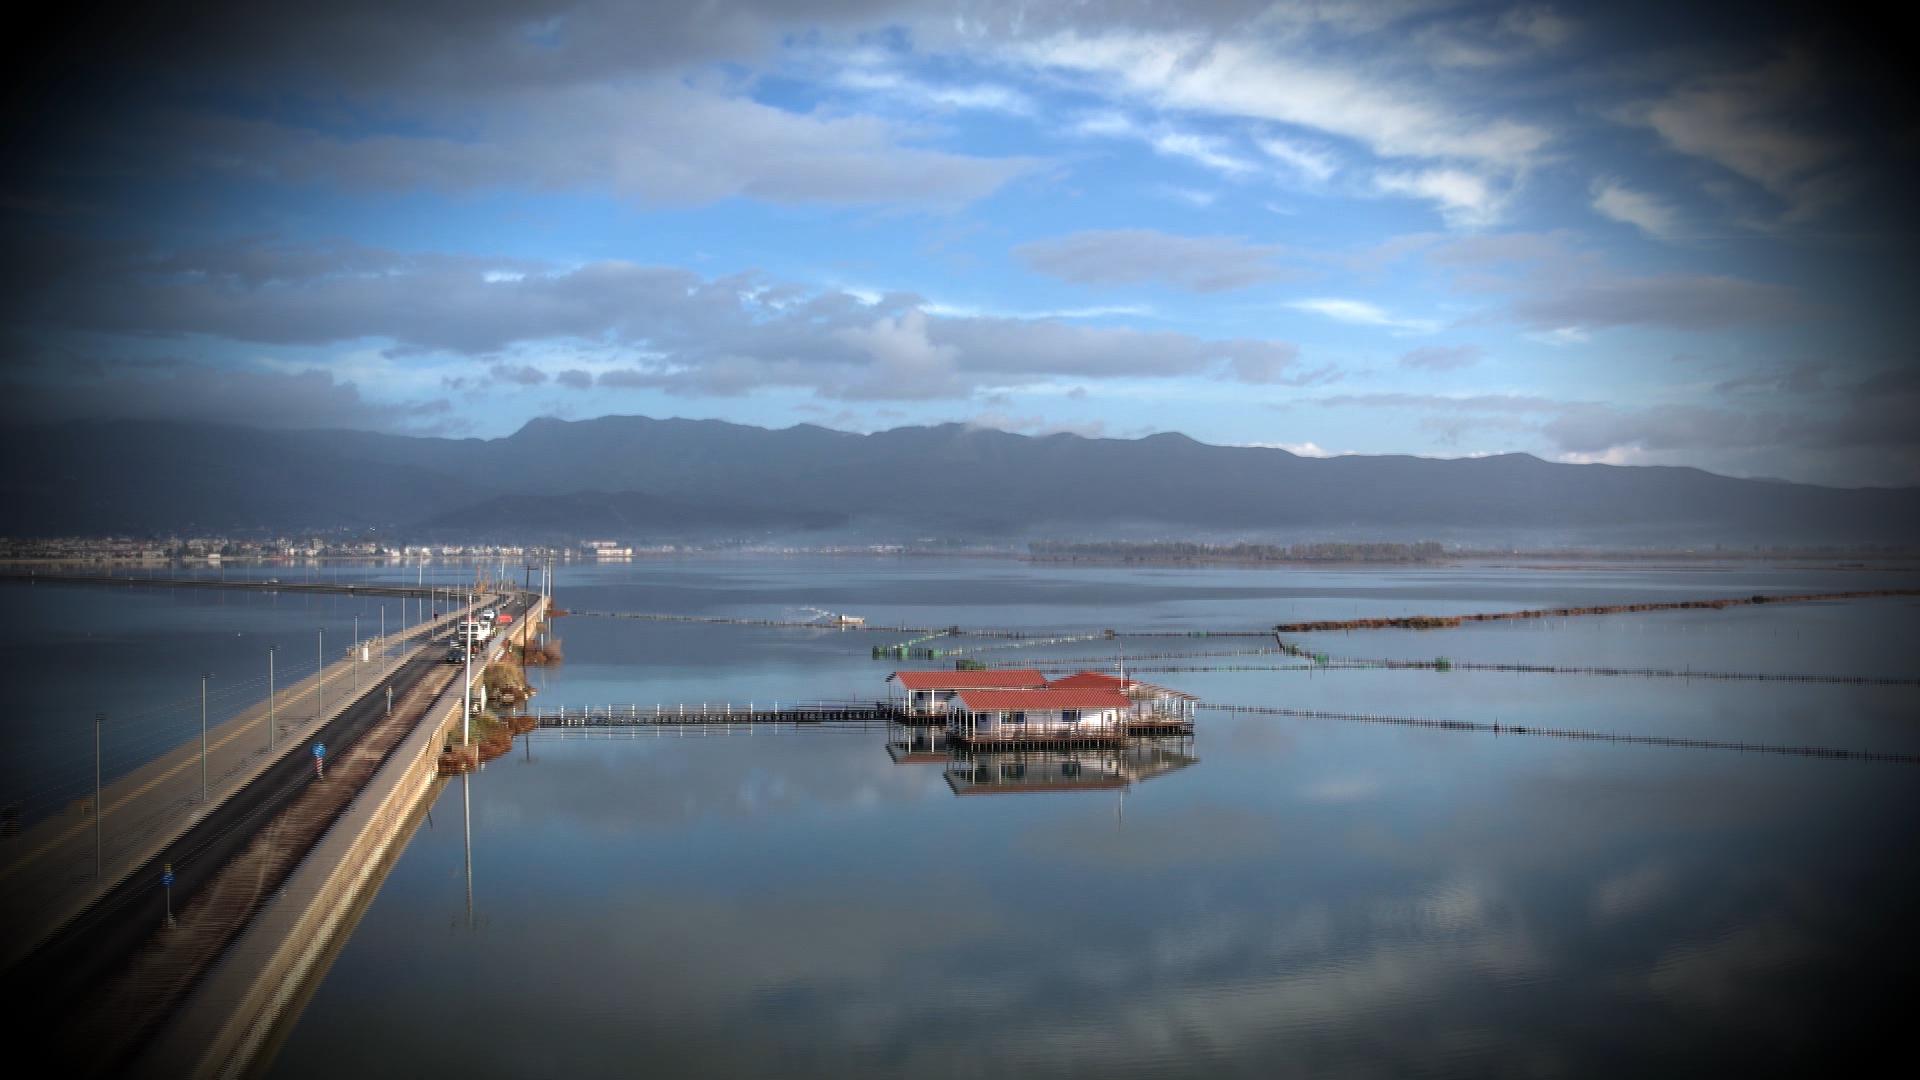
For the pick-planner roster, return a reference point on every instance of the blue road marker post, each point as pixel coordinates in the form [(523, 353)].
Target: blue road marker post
[(320, 760), (166, 883)]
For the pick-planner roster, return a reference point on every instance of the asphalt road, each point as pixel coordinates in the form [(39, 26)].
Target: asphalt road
[(86, 952)]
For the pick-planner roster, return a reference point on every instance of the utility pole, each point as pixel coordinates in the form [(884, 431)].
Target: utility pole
[(273, 719), (466, 690), (98, 807), (203, 736), (320, 684)]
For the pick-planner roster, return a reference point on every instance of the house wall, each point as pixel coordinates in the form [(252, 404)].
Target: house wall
[(1041, 722)]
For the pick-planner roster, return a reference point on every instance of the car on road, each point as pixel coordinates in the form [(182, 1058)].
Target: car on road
[(455, 655)]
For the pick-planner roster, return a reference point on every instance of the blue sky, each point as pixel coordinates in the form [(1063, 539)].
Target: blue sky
[(1625, 235)]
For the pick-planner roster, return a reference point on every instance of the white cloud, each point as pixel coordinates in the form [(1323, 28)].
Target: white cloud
[(1562, 335), (1629, 207), (1205, 150), (1465, 200), (1362, 313), (1243, 79), (1308, 163), (982, 97), (1208, 151)]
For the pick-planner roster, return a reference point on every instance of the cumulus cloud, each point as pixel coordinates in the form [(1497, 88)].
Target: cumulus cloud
[(1138, 256), (694, 334)]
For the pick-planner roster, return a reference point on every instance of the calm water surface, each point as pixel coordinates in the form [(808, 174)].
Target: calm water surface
[(1306, 896)]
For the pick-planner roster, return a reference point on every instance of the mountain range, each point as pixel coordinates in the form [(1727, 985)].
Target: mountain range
[(646, 480)]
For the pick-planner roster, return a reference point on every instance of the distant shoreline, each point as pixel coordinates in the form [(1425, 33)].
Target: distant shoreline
[(21, 567)]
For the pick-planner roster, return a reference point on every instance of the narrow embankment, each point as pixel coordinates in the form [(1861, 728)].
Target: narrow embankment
[(1836, 753), (1444, 622)]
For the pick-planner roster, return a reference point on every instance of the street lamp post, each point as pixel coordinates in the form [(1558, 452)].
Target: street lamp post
[(320, 679), (273, 720), (466, 691), (203, 735)]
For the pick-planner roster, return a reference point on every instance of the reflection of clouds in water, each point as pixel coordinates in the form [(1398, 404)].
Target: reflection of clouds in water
[(1162, 837), (1285, 1003), (1633, 892), (1734, 970), (1342, 789), (651, 780)]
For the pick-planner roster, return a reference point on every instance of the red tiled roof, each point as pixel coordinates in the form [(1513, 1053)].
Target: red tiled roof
[(1088, 680), (1095, 679), (966, 680), (1043, 700)]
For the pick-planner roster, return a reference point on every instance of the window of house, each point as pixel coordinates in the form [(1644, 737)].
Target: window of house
[(1016, 718), (1069, 716)]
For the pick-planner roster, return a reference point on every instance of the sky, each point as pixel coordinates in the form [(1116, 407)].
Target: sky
[(1628, 234)]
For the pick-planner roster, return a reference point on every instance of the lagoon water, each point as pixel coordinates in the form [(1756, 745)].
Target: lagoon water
[(1303, 896)]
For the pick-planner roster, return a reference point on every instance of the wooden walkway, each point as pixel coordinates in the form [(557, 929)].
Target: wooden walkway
[(706, 712), (859, 713)]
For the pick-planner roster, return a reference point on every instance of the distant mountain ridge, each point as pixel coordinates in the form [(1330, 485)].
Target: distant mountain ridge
[(641, 479)]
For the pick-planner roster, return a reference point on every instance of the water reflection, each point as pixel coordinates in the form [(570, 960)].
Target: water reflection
[(1108, 767), (1327, 898)]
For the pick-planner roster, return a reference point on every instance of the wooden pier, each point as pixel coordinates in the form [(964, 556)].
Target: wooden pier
[(849, 713), (706, 712)]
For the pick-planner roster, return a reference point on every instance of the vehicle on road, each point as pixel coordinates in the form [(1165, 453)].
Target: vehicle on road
[(455, 655)]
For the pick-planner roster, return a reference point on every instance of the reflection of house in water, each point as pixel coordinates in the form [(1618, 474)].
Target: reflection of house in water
[(917, 745), (1103, 768)]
